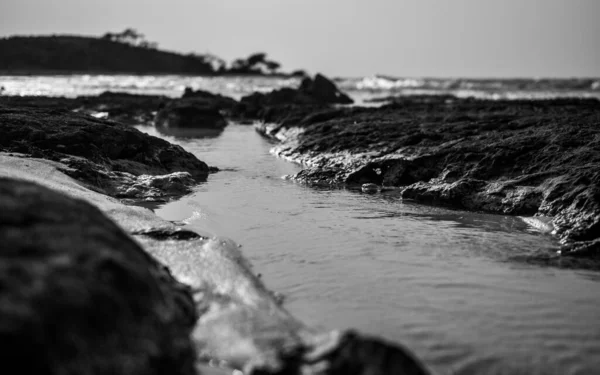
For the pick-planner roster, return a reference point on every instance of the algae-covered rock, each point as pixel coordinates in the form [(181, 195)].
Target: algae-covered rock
[(521, 157), (109, 157)]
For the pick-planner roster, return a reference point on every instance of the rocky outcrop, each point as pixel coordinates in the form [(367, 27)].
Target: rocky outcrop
[(507, 157), (197, 114), (81, 297), (190, 113), (126, 108), (215, 100), (323, 90), (109, 157), (78, 296), (312, 95), (196, 109)]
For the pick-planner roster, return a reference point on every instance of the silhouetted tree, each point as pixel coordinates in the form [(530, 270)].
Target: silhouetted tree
[(256, 58), (272, 66), (217, 63), (256, 63), (132, 37)]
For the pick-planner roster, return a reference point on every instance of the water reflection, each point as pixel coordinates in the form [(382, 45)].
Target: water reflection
[(456, 287), (189, 132)]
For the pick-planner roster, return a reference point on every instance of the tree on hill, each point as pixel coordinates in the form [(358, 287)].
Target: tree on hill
[(132, 37), (256, 63)]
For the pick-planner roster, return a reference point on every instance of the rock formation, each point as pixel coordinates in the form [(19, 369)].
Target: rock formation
[(109, 157), (508, 157), (78, 296)]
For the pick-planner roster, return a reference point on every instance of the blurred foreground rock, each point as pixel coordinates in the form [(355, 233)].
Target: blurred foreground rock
[(78, 295)]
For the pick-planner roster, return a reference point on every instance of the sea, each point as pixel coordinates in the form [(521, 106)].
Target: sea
[(454, 287)]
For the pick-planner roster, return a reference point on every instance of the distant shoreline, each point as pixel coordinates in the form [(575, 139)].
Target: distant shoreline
[(114, 54), (56, 73)]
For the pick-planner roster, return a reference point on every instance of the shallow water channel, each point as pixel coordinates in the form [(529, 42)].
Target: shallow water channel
[(442, 282)]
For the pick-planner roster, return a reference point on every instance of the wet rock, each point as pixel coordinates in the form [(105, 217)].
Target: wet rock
[(189, 113), (146, 187), (509, 157), (126, 185), (370, 188), (313, 95), (208, 98), (240, 323), (358, 355), (197, 114), (323, 90), (79, 296), (109, 157), (167, 234), (126, 108)]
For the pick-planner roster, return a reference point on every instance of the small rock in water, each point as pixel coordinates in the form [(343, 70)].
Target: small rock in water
[(369, 188)]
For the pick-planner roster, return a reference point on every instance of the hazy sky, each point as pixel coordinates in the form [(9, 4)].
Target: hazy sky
[(347, 37)]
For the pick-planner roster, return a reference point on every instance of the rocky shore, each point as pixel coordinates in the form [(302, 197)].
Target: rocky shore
[(78, 253), (92, 285), (530, 158)]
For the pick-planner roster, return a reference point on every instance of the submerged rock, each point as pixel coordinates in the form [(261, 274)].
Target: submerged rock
[(78, 296), (509, 157)]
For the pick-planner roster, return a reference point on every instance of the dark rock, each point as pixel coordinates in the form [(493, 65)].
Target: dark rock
[(109, 157), (78, 296), (208, 98), (240, 323), (370, 188), (299, 73), (358, 355), (168, 234), (189, 113), (126, 108), (316, 94), (509, 157), (323, 90)]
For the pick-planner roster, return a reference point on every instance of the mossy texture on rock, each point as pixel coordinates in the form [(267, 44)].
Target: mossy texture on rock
[(110, 157), (126, 108), (511, 157), (78, 296)]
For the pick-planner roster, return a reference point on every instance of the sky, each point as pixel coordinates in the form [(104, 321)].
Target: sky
[(409, 38)]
